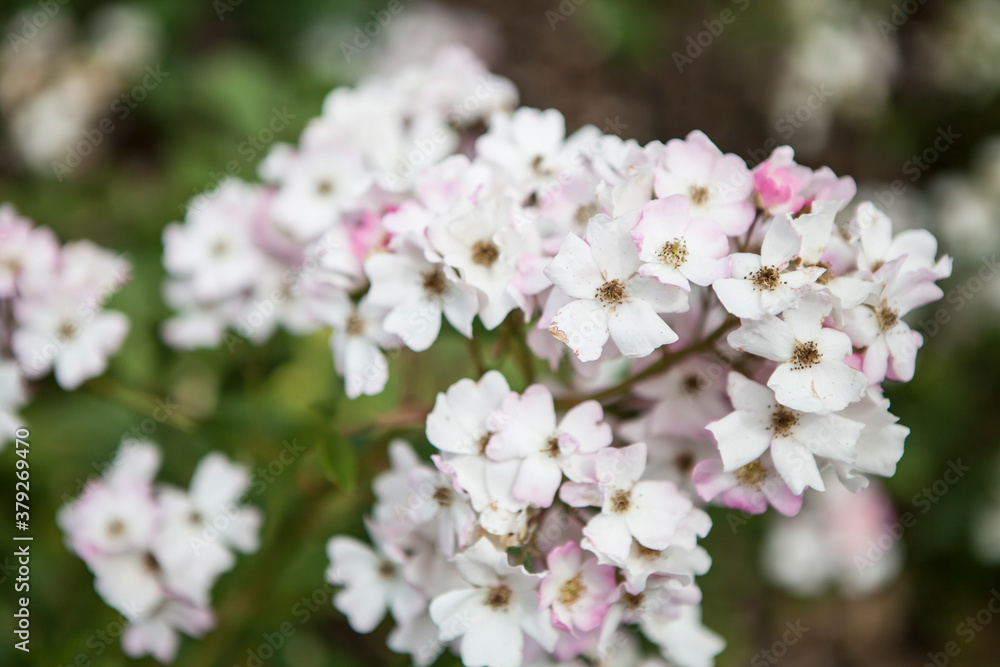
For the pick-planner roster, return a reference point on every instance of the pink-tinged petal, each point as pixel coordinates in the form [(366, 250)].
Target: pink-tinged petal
[(903, 345), (610, 535), (796, 465), (781, 243), (460, 307), (739, 297), (574, 269), (585, 422), (768, 337), (735, 218), (416, 322), (663, 298), (706, 271), (637, 330), (830, 436), (537, 481), (620, 468), (579, 494), (742, 437), (657, 509), (806, 322), (665, 274), (745, 394), (710, 479), (782, 498), (454, 611), (613, 248), (583, 326)]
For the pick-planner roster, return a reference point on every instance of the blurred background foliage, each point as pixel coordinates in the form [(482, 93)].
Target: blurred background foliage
[(230, 65)]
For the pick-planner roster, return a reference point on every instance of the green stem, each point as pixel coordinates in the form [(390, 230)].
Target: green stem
[(139, 402), (664, 363)]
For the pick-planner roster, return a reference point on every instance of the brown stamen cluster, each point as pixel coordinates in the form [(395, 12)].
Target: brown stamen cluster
[(67, 330), (435, 284), (443, 496), (766, 278), (572, 590), (621, 501), (325, 187), (485, 253), (806, 355), (692, 384), (674, 253), (498, 597), (552, 446), (387, 569), (752, 475), (585, 213), (887, 317), (612, 291), (116, 528), (783, 420), (645, 553), (484, 440), (698, 194), (355, 325)]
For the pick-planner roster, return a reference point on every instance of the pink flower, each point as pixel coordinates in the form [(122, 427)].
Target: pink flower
[(577, 590)]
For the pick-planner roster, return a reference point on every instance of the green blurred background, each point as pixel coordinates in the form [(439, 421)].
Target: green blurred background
[(229, 64)]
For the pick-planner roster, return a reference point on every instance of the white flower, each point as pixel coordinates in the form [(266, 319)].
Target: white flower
[(156, 635), (416, 292), (483, 246), (812, 375), (12, 398), (199, 527), (611, 298), (528, 433), (762, 284), (794, 438), (495, 612), (677, 248), (719, 186), (357, 343), (649, 511), (372, 584)]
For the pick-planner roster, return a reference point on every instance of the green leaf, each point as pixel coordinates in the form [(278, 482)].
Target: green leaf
[(340, 463)]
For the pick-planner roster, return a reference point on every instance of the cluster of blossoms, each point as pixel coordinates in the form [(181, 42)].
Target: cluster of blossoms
[(156, 551), (51, 311), (730, 330)]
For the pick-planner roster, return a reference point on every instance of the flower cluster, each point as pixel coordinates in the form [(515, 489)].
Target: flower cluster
[(156, 551), (51, 311), (734, 325), (605, 540)]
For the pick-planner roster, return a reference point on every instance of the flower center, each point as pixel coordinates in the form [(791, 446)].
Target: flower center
[(220, 248), (646, 553), (484, 440), (674, 253), (766, 278), (498, 597), (355, 325), (116, 528), (150, 564), (692, 384), (387, 569), (621, 501), (753, 475), (572, 590), (435, 284), (782, 421), (325, 187), (887, 317), (531, 201), (552, 446), (485, 253), (443, 496), (612, 291), (67, 330), (806, 355), (698, 195), (630, 601), (195, 518), (585, 213)]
